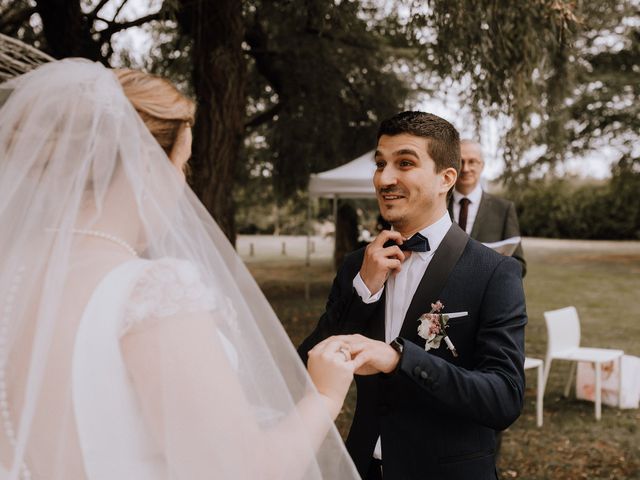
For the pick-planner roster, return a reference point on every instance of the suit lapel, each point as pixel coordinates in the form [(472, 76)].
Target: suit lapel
[(376, 328), (483, 208), (434, 278)]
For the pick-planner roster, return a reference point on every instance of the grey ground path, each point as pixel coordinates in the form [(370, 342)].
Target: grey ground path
[(270, 247)]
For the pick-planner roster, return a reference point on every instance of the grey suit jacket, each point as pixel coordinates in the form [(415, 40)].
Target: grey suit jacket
[(496, 220)]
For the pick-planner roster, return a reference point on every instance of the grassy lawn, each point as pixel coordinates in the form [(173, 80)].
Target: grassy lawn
[(602, 279)]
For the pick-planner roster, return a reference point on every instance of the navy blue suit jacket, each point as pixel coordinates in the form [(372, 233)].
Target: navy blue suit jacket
[(437, 415)]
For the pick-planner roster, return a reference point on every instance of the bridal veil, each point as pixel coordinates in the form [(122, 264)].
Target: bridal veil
[(75, 157)]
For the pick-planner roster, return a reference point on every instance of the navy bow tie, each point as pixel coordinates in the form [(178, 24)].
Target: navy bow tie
[(417, 243)]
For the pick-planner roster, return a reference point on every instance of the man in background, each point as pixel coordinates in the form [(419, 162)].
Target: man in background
[(483, 216)]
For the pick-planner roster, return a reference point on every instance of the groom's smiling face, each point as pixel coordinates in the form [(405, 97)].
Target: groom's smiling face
[(411, 194)]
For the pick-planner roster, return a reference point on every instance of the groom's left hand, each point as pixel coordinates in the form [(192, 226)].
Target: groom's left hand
[(373, 355)]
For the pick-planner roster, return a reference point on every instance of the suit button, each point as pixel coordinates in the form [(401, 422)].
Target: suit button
[(417, 371), (423, 375)]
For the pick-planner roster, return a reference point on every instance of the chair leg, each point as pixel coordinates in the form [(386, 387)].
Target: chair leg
[(540, 395), (547, 367), (598, 390), (572, 372)]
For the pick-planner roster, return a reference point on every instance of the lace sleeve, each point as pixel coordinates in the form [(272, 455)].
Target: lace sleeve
[(166, 288)]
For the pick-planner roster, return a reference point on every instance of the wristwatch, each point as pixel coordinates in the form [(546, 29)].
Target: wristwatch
[(398, 345)]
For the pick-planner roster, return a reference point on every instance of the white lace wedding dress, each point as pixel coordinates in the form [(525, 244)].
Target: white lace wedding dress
[(107, 412)]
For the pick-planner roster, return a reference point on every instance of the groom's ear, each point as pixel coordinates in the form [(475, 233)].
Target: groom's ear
[(448, 178)]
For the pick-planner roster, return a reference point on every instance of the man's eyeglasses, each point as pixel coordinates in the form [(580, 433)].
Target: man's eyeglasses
[(471, 163)]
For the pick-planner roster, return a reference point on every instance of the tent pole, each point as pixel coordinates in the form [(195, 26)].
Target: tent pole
[(307, 292), (335, 225), (308, 258)]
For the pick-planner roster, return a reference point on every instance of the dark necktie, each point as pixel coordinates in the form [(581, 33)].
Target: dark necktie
[(417, 243), (464, 211)]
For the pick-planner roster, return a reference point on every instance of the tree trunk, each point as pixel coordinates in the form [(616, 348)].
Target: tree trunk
[(219, 79), (66, 30)]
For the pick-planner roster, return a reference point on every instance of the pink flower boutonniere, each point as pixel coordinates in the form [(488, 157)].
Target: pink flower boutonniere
[(433, 327)]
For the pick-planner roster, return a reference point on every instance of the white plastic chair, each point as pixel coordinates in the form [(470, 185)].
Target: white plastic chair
[(530, 362), (563, 331)]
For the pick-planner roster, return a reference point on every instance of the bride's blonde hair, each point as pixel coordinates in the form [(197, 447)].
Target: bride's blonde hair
[(159, 103)]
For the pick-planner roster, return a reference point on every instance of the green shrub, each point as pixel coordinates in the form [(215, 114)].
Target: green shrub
[(557, 208)]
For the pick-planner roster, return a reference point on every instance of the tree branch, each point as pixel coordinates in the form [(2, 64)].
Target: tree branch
[(119, 9), (115, 27), (262, 117)]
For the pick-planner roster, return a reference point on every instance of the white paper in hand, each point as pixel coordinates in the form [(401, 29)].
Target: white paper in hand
[(505, 247)]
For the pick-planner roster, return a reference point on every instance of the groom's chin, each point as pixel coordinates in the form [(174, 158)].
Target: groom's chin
[(390, 213), (396, 221)]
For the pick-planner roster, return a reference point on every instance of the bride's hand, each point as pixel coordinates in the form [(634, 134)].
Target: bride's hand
[(331, 369)]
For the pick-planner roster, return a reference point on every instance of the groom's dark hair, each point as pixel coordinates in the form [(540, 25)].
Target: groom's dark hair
[(443, 144)]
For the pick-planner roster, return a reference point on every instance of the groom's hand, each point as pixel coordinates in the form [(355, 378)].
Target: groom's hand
[(380, 262), (371, 356)]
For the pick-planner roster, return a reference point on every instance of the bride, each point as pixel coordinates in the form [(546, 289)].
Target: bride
[(134, 344)]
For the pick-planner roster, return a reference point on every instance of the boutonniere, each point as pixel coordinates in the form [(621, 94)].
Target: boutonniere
[(433, 327)]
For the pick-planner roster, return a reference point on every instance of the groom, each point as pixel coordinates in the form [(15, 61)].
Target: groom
[(427, 414)]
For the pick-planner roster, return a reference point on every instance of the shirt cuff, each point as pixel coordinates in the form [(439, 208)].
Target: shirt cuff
[(364, 292)]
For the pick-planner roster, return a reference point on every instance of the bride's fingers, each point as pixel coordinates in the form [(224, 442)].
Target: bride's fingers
[(359, 360), (346, 341), (332, 346), (357, 347), (328, 343), (331, 343)]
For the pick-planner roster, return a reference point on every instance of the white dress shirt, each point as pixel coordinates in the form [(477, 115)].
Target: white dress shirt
[(402, 287), (474, 204)]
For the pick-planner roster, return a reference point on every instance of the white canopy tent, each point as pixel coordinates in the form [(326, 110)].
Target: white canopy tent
[(351, 180)]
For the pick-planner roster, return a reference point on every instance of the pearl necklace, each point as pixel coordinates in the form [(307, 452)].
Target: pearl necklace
[(108, 237), (103, 235)]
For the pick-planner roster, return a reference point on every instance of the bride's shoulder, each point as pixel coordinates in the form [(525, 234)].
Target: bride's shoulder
[(166, 287), (168, 270)]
